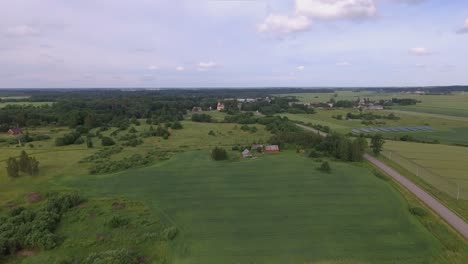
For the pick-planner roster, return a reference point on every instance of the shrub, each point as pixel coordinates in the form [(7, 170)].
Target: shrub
[(211, 133), (107, 141), (116, 222), (170, 233), (325, 167), (219, 154), (315, 154), (201, 118), (418, 211), (122, 256), (177, 125)]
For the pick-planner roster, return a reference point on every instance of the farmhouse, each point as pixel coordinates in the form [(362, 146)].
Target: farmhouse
[(272, 148), (246, 153), (256, 147), (220, 106), (15, 131)]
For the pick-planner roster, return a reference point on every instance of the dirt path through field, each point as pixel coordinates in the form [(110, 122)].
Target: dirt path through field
[(451, 218)]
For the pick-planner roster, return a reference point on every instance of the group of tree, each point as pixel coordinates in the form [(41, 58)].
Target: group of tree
[(25, 164), (219, 154)]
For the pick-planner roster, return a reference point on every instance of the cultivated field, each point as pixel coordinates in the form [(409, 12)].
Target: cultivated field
[(446, 130), (440, 166), (453, 105), (273, 209)]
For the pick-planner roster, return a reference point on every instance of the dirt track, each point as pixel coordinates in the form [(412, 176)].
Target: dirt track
[(451, 218)]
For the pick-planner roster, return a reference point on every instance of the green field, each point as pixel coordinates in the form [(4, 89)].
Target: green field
[(441, 167), (447, 131), (274, 209), (452, 105)]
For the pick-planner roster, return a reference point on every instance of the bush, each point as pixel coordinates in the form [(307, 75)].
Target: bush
[(211, 133), (116, 222), (315, 154), (122, 256), (325, 167), (219, 154), (418, 211), (170, 233), (201, 118), (177, 125), (27, 228), (107, 141)]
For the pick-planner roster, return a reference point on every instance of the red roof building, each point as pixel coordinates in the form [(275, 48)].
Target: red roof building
[(15, 131), (272, 148)]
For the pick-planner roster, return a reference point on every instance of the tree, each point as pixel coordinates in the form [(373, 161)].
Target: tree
[(12, 168), (377, 143), (33, 166), (219, 154), (24, 162)]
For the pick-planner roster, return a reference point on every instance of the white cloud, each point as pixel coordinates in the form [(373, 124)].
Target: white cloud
[(420, 65), (464, 29), (153, 68), (203, 66), (281, 24), (300, 68), (419, 51), (343, 63), (180, 68), (336, 9), (21, 31)]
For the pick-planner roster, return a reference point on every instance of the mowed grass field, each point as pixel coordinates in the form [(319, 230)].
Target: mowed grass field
[(447, 130), (452, 105), (274, 209)]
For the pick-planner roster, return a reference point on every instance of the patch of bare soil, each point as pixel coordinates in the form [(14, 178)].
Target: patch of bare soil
[(34, 197), (26, 253)]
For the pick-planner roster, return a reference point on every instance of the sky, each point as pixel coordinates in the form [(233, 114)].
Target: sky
[(229, 43)]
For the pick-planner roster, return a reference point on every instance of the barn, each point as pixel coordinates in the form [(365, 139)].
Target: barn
[(272, 148)]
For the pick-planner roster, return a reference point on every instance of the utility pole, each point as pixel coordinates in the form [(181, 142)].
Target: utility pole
[(458, 191)]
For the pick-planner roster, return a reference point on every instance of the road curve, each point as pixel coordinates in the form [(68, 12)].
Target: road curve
[(451, 218)]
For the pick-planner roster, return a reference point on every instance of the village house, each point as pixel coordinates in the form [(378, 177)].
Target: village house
[(220, 106), (272, 148), (256, 147), (15, 131), (246, 153)]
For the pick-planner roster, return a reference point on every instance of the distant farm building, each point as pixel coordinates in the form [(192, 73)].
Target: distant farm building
[(272, 148), (246, 153), (15, 131), (220, 106), (256, 147), (375, 107), (196, 109)]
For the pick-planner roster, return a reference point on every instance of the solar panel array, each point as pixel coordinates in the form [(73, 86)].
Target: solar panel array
[(392, 129)]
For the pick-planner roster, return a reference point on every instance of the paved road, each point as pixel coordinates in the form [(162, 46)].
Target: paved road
[(451, 218)]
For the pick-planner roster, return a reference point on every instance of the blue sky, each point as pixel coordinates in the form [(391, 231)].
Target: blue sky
[(229, 43)]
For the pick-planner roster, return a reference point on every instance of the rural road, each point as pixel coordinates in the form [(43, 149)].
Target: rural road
[(451, 218)]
